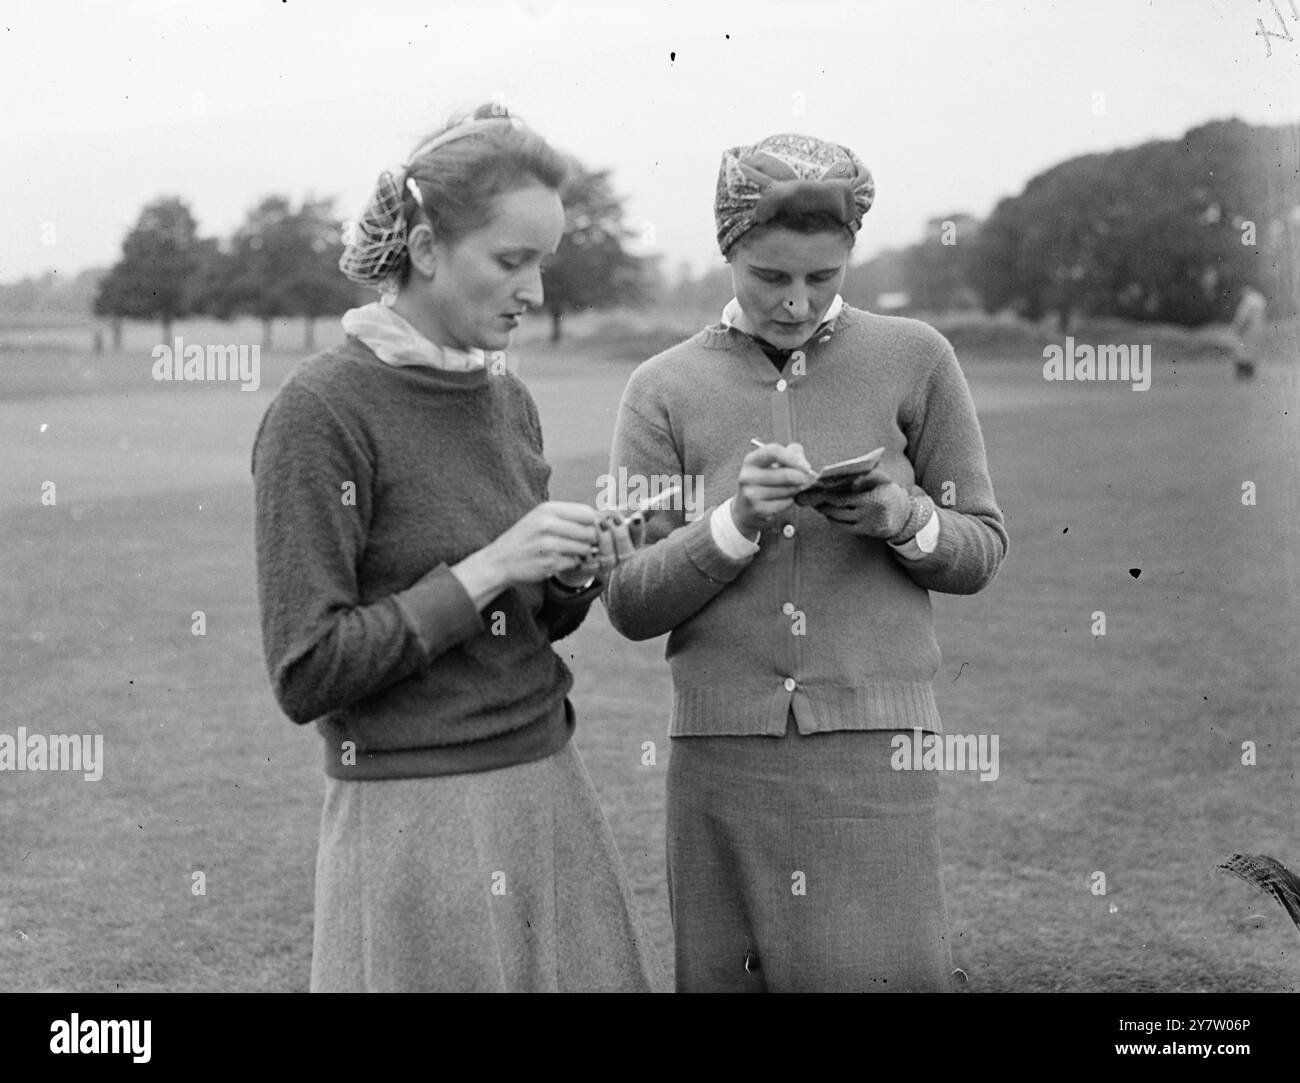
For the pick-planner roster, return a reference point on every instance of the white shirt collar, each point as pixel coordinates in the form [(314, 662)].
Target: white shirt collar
[(395, 342), (732, 315)]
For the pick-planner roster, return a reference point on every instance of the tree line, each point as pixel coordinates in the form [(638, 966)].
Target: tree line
[(283, 262), (1171, 231)]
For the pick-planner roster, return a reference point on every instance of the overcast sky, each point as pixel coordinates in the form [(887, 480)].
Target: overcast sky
[(951, 103)]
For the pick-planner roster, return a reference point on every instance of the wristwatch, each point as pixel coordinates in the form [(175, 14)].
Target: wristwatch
[(564, 588)]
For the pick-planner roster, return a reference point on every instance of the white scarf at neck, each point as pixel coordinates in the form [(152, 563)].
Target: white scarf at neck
[(396, 342)]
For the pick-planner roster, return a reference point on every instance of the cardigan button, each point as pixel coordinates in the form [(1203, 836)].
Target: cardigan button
[(788, 530), (788, 609), (781, 385), (789, 684)]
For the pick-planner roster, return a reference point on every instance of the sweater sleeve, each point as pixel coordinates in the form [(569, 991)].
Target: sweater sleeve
[(947, 451), (324, 649), (680, 568)]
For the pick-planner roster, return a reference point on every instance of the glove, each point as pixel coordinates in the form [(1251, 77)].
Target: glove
[(877, 507)]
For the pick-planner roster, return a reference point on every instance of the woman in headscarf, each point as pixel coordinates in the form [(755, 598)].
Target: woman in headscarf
[(413, 574), (801, 639)]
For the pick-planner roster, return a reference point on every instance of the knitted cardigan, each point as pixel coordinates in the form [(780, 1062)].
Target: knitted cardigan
[(832, 624), (371, 482)]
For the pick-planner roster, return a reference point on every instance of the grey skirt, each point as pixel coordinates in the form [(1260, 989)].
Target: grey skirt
[(505, 880), (804, 864)]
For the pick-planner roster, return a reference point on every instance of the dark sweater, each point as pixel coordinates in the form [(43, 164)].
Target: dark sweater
[(371, 482)]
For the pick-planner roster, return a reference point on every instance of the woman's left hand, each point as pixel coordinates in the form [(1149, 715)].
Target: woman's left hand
[(619, 539), (876, 506)]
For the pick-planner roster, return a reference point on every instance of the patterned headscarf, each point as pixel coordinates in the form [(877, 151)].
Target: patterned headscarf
[(793, 173), (375, 254)]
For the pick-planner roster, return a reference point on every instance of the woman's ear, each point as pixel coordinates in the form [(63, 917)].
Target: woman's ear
[(422, 251)]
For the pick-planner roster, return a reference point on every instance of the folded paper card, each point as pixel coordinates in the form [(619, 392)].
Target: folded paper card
[(840, 477)]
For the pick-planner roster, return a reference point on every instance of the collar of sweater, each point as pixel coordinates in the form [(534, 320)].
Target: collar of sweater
[(725, 335), (395, 342)]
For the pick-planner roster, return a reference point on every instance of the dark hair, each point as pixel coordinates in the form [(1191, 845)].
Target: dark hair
[(460, 180), (800, 222)]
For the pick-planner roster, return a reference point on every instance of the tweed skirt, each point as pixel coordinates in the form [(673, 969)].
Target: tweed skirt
[(804, 864), (505, 880)]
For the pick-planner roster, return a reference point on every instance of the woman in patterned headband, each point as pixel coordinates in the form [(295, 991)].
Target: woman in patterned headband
[(413, 574), (802, 854)]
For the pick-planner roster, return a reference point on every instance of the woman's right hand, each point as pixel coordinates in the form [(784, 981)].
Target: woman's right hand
[(553, 537), (770, 477), (557, 536)]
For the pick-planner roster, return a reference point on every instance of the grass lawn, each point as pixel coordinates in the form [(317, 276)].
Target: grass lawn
[(1119, 754)]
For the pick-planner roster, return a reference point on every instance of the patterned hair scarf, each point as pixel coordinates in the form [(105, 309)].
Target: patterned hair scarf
[(375, 253), (792, 173)]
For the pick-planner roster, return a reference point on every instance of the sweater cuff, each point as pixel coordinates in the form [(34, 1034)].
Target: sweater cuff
[(947, 551), (706, 555), (439, 611)]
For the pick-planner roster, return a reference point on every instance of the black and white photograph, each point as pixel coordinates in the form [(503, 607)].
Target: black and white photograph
[(534, 496)]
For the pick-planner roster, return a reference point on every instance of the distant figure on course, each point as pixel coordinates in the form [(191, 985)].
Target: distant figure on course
[(1247, 325)]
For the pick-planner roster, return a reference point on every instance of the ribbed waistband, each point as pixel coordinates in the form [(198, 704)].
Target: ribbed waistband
[(535, 741), (714, 710)]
